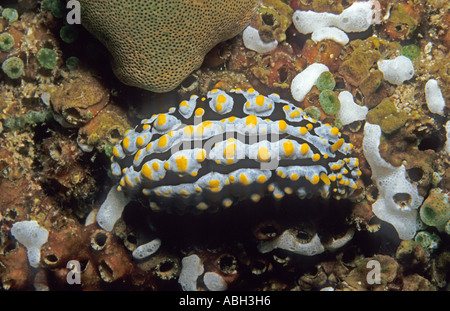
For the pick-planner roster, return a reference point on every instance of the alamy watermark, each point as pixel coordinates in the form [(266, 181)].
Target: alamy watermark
[(374, 275), (74, 15), (74, 275)]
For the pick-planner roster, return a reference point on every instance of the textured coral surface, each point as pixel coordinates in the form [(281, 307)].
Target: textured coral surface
[(156, 44)]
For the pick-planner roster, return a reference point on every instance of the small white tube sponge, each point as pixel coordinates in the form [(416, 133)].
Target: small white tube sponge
[(393, 188), (32, 236), (350, 111), (397, 70), (288, 241), (214, 282), (305, 80), (191, 269), (435, 99), (111, 210), (253, 41), (331, 33), (147, 249)]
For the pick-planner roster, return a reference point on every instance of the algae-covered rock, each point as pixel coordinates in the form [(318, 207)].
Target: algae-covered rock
[(104, 130), (403, 20), (78, 100), (356, 67), (387, 116), (273, 19)]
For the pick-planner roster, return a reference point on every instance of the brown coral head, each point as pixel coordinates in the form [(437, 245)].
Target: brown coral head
[(156, 44)]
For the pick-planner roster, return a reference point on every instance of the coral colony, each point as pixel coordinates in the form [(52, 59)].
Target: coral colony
[(273, 145)]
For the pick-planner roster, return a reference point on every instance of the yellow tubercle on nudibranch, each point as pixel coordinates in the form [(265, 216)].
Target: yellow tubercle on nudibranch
[(230, 146)]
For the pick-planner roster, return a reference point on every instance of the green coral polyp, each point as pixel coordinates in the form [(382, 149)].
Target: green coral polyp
[(72, 63), (13, 67), (411, 51), (313, 112), (68, 33), (435, 210), (57, 7), (326, 81), (6, 41), (10, 15), (47, 58), (329, 102)]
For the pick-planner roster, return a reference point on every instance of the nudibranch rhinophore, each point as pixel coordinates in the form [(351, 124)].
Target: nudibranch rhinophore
[(213, 151)]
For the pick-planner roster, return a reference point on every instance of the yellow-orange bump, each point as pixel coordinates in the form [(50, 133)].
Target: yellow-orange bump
[(182, 163), (263, 154), (334, 147), (199, 112), (288, 147), (315, 179), (304, 148), (325, 179), (334, 131), (260, 99), (162, 141), (251, 121), (282, 125), (261, 179)]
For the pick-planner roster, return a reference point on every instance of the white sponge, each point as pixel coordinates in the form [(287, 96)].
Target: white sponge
[(32, 236), (191, 269), (435, 99), (350, 111), (288, 241), (331, 33), (305, 80), (253, 41), (356, 18), (397, 70), (398, 200), (111, 209), (147, 249), (214, 282)]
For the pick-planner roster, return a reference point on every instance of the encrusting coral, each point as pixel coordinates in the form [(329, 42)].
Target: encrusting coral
[(156, 44)]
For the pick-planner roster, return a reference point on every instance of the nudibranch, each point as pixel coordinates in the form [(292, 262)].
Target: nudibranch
[(211, 152)]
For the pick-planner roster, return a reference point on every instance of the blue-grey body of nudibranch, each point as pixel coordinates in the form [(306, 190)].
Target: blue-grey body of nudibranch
[(214, 151)]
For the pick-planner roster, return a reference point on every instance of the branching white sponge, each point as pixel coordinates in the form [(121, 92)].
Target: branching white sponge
[(398, 200), (356, 18)]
